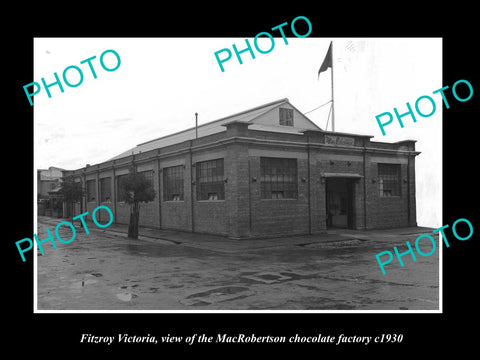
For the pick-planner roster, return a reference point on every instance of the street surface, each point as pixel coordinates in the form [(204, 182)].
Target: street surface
[(168, 270)]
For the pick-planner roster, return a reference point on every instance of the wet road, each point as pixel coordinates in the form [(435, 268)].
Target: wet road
[(107, 271)]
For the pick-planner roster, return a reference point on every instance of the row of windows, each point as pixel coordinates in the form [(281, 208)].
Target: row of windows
[(106, 187), (278, 180)]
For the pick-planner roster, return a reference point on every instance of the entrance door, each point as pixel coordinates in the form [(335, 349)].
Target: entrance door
[(340, 203)]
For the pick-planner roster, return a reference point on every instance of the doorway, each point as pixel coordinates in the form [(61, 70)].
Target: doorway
[(340, 203)]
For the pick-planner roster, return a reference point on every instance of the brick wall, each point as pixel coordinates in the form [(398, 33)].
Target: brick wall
[(210, 217), (148, 214), (278, 216), (244, 213), (175, 215), (391, 211), (318, 214), (412, 221), (102, 215), (122, 213), (90, 207), (237, 189)]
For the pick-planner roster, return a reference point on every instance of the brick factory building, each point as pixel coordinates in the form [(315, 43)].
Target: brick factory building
[(266, 171)]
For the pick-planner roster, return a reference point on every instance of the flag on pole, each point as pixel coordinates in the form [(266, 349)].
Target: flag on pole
[(327, 62)]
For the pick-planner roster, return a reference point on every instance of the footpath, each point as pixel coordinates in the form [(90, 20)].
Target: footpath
[(328, 238)]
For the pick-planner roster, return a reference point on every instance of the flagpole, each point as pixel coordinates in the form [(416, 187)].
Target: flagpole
[(333, 103), (328, 63)]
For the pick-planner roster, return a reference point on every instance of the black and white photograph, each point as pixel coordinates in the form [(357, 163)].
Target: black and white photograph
[(265, 185), (231, 180)]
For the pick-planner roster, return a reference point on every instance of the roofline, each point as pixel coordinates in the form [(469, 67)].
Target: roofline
[(51, 167), (306, 117), (223, 118), (338, 133)]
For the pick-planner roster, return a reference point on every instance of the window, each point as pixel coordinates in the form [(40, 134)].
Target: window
[(173, 183), (389, 179), (91, 191), (210, 184), (286, 117), (105, 193), (278, 178), (120, 193), (147, 175)]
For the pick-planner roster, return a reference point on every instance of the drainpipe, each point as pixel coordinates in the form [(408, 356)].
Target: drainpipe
[(408, 191), (192, 212), (308, 188), (160, 189), (114, 194), (97, 198), (364, 185), (191, 173), (83, 202)]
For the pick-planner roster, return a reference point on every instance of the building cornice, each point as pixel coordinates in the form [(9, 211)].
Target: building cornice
[(190, 147)]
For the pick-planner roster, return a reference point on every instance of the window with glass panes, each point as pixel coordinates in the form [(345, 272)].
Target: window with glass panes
[(91, 191), (105, 189), (278, 178), (286, 117), (147, 175), (120, 191), (389, 179), (209, 180), (173, 183)]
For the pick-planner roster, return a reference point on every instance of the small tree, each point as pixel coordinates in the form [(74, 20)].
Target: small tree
[(71, 191), (136, 189)]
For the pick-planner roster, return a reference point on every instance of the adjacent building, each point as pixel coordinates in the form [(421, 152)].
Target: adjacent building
[(49, 202), (266, 171)]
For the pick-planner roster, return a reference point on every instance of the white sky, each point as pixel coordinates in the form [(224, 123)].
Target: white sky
[(162, 82)]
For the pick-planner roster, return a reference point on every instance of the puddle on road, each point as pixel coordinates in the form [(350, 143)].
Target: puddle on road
[(128, 286), (86, 280), (266, 277), (126, 296), (320, 303), (217, 295), (126, 293), (162, 250), (275, 277), (299, 276), (334, 244)]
